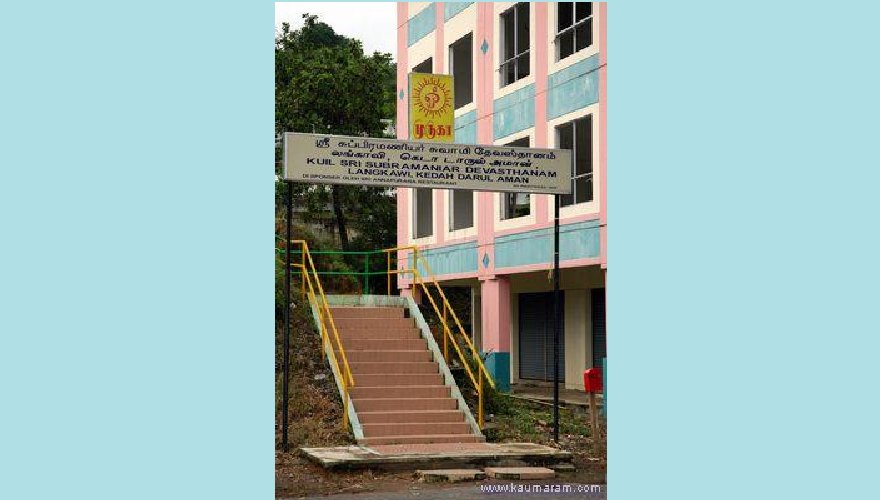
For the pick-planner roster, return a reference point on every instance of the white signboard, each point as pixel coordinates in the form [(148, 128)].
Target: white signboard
[(333, 159)]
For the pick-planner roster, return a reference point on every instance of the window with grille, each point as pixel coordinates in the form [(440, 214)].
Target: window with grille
[(514, 43), (515, 205), (574, 27), (577, 136)]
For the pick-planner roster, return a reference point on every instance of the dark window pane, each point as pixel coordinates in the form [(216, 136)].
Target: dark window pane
[(426, 66), (424, 218), (462, 214), (584, 145), (580, 189), (522, 26), (565, 200), (584, 35), (581, 156), (508, 31), (566, 45), (509, 73), (566, 137), (582, 9), (522, 66), (461, 61), (563, 17)]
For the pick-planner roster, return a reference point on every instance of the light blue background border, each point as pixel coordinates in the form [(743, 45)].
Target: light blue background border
[(136, 285), (137, 354), (742, 273)]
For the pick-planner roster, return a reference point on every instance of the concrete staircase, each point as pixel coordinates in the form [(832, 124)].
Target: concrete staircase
[(401, 394)]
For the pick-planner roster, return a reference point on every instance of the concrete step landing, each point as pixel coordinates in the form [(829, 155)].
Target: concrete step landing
[(456, 455)]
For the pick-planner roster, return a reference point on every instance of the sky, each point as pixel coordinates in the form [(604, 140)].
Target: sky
[(373, 23)]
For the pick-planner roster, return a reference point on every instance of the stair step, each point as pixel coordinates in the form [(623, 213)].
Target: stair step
[(375, 333), (367, 312), (415, 429), (379, 323), (430, 438), (396, 368), (403, 404), (403, 391), (397, 379), (411, 416), (385, 345), (388, 356)]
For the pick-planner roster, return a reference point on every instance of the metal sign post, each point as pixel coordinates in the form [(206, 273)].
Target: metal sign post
[(285, 381), (556, 318)]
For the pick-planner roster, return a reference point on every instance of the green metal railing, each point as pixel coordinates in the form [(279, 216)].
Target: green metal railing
[(363, 277)]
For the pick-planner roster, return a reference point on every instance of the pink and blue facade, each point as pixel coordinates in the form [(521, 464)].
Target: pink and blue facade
[(504, 256)]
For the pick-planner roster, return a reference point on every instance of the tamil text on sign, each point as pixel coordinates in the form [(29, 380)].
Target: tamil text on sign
[(331, 159)]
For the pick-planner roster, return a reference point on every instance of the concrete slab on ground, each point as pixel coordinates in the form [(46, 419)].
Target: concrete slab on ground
[(544, 395), (563, 467), (435, 456), (450, 475), (520, 473)]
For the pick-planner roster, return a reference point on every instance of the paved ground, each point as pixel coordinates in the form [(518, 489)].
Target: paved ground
[(469, 491)]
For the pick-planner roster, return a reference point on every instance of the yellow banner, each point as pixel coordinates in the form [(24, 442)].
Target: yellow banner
[(431, 108)]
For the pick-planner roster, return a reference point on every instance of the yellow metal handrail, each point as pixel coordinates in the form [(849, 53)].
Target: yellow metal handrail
[(325, 316), (448, 334)]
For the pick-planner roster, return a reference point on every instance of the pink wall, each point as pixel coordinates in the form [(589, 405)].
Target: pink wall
[(402, 119), (484, 74), (542, 215), (495, 302), (485, 81)]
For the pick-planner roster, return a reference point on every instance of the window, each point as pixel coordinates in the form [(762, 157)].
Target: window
[(461, 61), (574, 27), (461, 209), (514, 43), (515, 205), (423, 216), (578, 137), (426, 66)]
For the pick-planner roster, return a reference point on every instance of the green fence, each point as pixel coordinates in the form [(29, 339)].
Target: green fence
[(375, 263)]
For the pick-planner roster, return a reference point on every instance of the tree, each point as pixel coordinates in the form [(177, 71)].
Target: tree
[(325, 83)]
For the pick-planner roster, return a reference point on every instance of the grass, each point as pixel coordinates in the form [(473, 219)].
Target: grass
[(513, 419)]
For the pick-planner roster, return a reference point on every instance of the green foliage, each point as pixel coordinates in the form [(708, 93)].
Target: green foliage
[(325, 83), (323, 262)]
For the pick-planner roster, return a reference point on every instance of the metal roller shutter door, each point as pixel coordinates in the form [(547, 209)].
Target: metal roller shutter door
[(536, 336)]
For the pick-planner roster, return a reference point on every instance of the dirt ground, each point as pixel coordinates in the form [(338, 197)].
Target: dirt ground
[(296, 477)]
